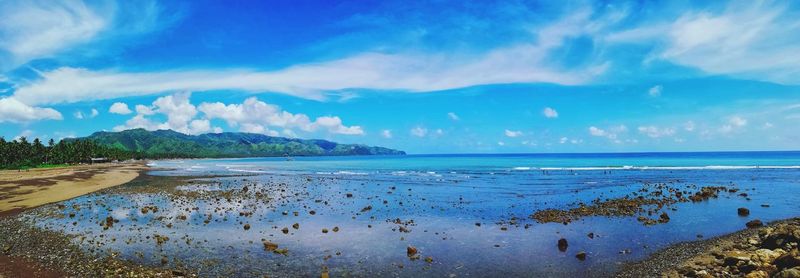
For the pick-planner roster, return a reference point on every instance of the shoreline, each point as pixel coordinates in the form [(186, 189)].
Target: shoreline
[(23, 190), (29, 251), (699, 257)]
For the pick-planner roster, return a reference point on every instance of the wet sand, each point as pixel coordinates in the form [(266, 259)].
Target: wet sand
[(28, 251), (20, 190)]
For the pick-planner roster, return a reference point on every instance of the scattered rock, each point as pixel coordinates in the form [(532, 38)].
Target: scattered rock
[(269, 246), (296, 226), (743, 211), (562, 245), (246, 227), (754, 224), (581, 256), (411, 251)]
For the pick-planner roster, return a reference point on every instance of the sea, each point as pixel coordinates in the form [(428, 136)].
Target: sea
[(467, 215)]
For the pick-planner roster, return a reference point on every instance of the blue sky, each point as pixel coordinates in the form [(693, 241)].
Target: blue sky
[(422, 76)]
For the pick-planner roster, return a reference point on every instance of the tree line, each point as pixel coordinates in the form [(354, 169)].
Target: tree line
[(21, 153)]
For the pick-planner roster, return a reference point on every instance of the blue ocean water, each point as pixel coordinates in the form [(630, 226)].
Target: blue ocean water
[(497, 162), (439, 200)]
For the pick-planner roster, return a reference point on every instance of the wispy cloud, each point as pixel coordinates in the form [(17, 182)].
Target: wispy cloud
[(34, 29), (526, 62)]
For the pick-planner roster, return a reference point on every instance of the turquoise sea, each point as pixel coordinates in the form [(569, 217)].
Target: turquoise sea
[(468, 213)]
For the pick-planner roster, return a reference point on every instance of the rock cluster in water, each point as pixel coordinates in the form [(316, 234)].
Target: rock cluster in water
[(648, 201)]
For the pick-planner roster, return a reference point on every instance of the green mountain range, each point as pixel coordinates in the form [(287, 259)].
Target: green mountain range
[(172, 144)]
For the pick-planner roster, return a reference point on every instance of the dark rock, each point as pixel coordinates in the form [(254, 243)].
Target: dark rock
[(246, 227), (754, 224), (787, 261), (285, 230), (269, 246), (664, 218), (581, 256), (411, 251), (296, 226), (743, 211), (590, 235), (562, 245)]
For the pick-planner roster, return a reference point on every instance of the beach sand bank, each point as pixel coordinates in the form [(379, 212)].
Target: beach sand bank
[(20, 190)]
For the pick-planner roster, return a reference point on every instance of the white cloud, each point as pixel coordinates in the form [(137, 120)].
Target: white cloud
[(180, 116), (14, 111), (563, 140), (144, 110), (656, 132), (501, 143), (253, 113), (594, 131), (737, 121), (655, 91), (78, 115), (611, 133), (453, 116), (746, 39), (550, 112), (386, 133), (527, 62), (94, 113), (513, 133), (419, 131), (25, 133), (34, 29), (734, 123), (119, 108)]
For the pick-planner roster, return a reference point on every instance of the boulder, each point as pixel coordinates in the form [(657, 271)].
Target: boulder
[(789, 273), (411, 251), (757, 274), (562, 245), (743, 211), (581, 255), (787, 261), (754, 224), (766, 256)]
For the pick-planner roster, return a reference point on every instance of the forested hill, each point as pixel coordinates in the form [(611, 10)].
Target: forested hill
[(168, 143)]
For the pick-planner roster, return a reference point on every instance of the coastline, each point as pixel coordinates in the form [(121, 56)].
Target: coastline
[(30, 251), (22, 190), (701, 258)]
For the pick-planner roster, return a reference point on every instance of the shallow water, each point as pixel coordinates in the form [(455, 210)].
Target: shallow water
[(444, 196)]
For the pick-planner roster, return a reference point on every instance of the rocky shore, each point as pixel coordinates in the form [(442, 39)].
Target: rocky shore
[(770, 251)]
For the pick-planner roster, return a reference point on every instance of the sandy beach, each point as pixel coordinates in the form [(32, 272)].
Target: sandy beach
[(21, 190)]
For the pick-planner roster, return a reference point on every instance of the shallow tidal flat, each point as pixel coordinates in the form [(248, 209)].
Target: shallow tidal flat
[(382, 223)]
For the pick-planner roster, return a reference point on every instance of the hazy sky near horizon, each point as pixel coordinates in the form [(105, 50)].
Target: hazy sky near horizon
[(421, 76)]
